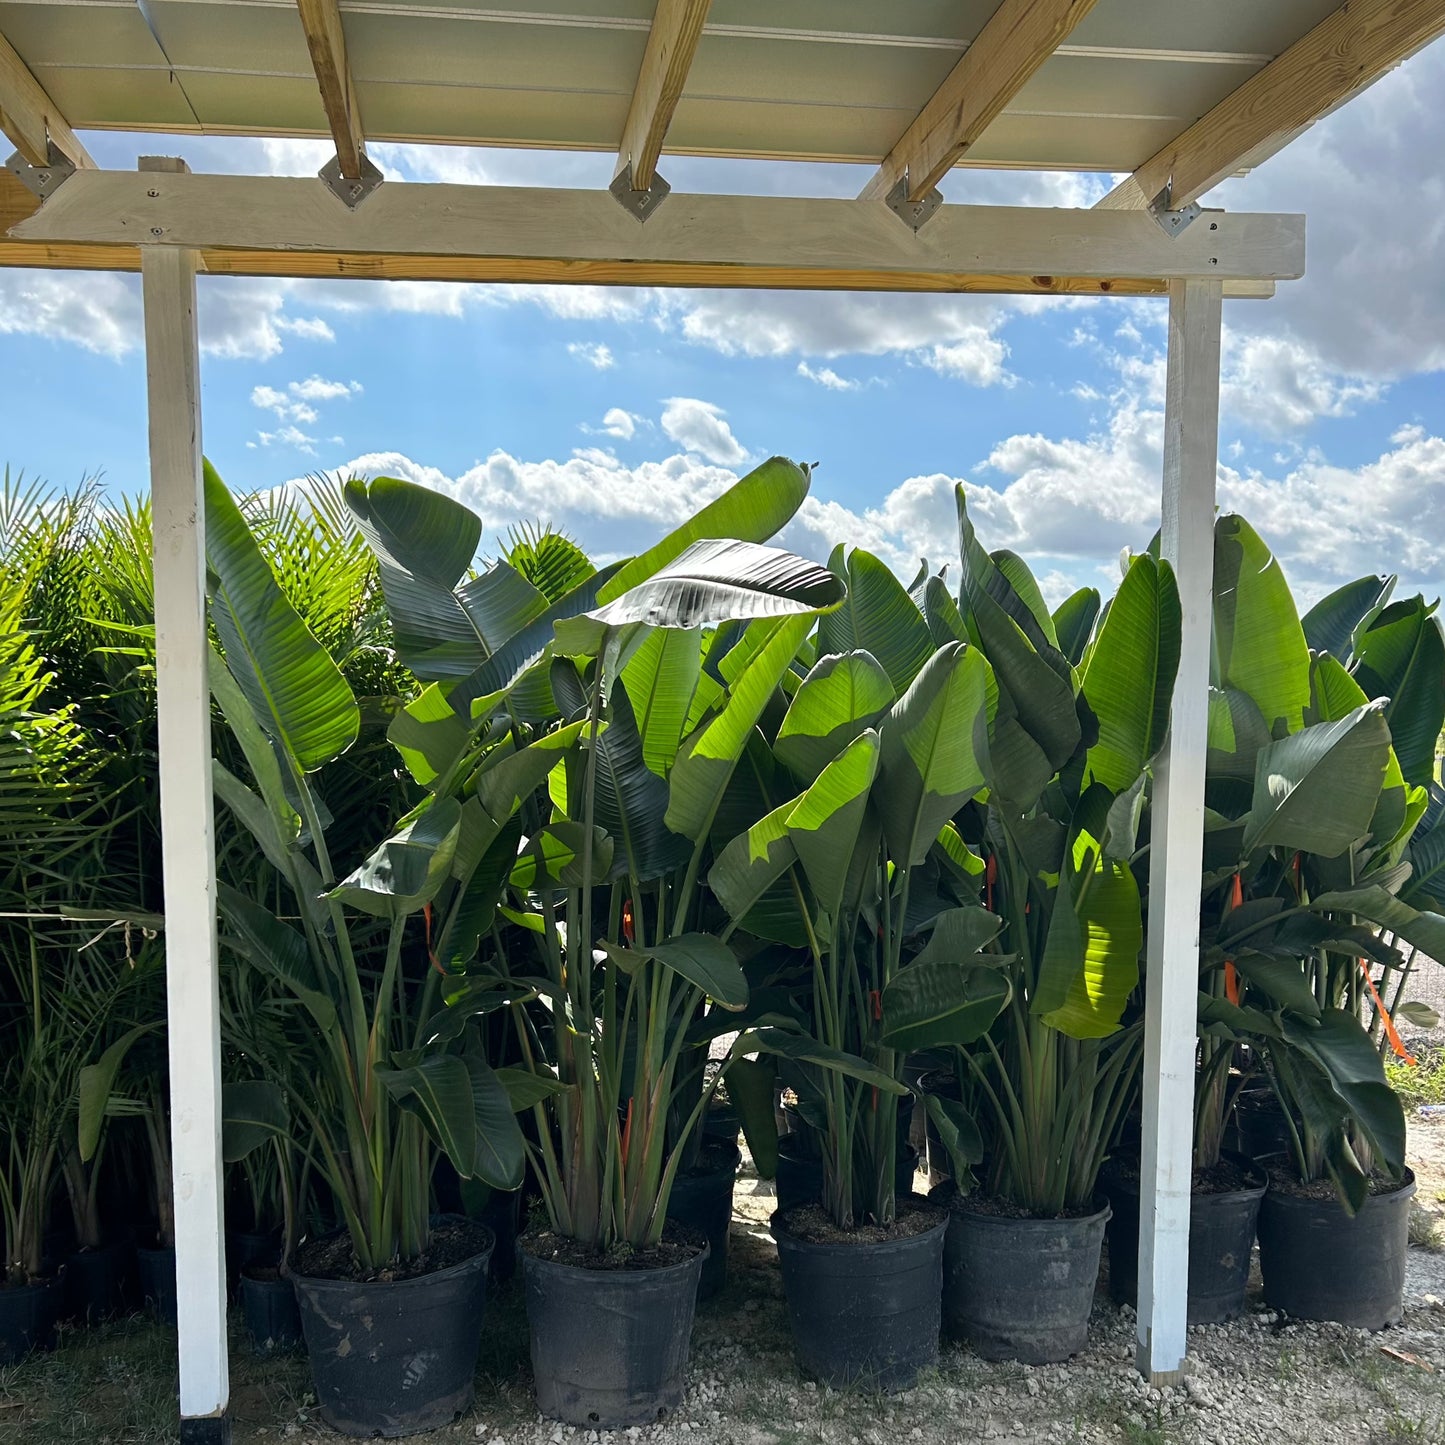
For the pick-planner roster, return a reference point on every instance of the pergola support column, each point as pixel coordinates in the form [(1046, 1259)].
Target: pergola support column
[(168, 281), (1191, 451)]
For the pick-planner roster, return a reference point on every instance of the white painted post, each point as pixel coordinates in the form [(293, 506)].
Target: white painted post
[(1191, 450), (173, 381)]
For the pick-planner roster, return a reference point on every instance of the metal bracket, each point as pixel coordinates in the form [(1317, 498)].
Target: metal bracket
[(640, 204), (1173, 222), (42, 181), (913, 214), (350, 192)]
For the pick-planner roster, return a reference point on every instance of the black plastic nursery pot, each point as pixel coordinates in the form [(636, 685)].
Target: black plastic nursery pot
[(1221, 1240), (272, 1317), (247, 1250), (28, 1316), (864, 1313), (502, 1214), (1260, 1127), (158, 1282), (395, 1357), (98, 1282), (1319, 1264), (609, 1346), (1021, 1289), (702, 1200), (800, 1172)]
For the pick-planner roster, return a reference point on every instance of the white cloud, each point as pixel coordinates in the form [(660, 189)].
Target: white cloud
[(977, 359), (614, 509), (594, 353), (289, 436), (700, 427), (318, 388), (826, 376), (308, 328), (1276, 385), (99, 311), (619, 423)]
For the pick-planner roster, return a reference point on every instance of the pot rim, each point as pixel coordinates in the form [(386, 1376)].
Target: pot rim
[(777, 1227), (1103, 1212), (1278, 1199), (34, 1286), (321, 1285), (1256, 1191), (649, 1272)]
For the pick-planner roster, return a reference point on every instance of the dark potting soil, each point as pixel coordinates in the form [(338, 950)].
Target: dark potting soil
[(262, 1273), (814, 1225), (453, 1241), (999, 1208), (1283, 1180), (677, 1245), (1227, 1176)]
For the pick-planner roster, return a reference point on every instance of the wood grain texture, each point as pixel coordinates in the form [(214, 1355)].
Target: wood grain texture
[(326, 40), (693, 240), (1344, 53), (671, 45), (1018, 38), (28, 116)]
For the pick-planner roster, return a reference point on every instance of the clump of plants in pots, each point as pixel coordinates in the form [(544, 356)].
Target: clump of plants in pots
[(1313, 812), (1082, 706), (887, 749), (374, 1077), (597, 720)]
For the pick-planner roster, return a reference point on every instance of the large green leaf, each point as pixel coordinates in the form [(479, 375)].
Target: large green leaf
[(703, 960), (932, 741), (1015, 571), (755, 508), (295, 690), (1330, 625), (825, 824), (752, 862), (986, 589), (1401, 656), (429, 735), (631, 800), (253, 1112), (661, 678), (407, 870), (1074, 622), (1259, 645), (1090, 963), (1129, 683), (712, 582), (843, 694), (1421, 928), (878, 617), (1316, 789), (97, 1085), (555, 857), (804, 1049), (278, 950), (708, 756), (947, 996)]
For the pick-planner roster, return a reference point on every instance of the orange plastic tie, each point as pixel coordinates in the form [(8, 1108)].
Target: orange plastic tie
[(990, 876), (1231, 974), (1391, 1032), (435, 961)]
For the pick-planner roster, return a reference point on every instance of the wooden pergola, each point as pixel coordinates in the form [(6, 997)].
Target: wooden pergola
[(1175, 94)]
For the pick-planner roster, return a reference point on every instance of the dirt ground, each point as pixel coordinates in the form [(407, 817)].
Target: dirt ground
[(1256, 1380)]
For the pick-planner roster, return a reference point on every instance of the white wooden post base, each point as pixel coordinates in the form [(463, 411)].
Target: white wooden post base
[(1191, 446), (168, 279)]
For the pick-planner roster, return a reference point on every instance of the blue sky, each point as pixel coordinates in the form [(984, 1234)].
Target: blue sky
[(613, 413)]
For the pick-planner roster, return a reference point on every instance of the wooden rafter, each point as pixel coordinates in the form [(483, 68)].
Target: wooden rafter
[(671, 45), (30, 118), (1345, 52), (321, 20), (282, 226), (1017, 39)]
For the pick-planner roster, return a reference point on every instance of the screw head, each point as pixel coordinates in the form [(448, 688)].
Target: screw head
[(157, 231)]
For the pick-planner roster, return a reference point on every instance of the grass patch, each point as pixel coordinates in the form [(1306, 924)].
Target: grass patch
[(1422, 1082), (1425, 1230)]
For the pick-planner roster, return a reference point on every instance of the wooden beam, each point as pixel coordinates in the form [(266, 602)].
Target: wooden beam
[(778, 241), (1017, 39), (1344, 53), (30, 118), (671, 45), (321, 20)]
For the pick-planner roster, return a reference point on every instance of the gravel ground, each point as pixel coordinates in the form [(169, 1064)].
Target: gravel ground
[(1259, 1379)]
